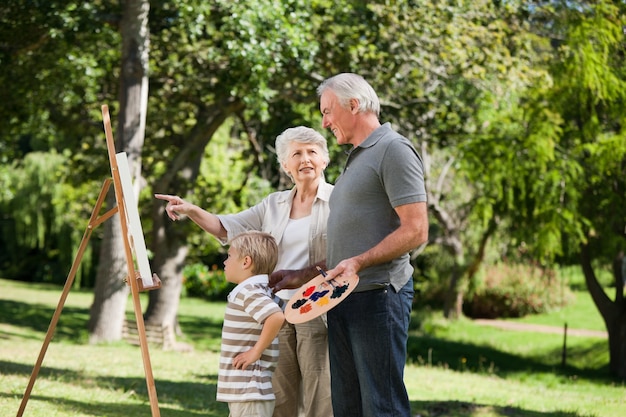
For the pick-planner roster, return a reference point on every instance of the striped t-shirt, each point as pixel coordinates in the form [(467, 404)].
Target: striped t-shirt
[(249, 304)]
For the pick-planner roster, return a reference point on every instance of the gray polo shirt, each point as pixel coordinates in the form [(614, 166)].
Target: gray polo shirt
[(383, 172)]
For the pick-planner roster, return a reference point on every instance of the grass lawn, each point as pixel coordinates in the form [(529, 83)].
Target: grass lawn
[(456, 369)]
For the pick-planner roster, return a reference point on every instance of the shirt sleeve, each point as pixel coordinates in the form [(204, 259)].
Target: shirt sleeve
[(249, 219), (403, 174)]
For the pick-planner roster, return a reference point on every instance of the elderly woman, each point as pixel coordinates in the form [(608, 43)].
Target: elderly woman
[(297, 219)]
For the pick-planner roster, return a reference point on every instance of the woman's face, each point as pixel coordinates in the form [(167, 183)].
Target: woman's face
[(304, 162)]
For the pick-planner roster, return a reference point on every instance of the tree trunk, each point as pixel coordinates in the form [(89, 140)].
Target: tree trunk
[(452, 243), (168, 238), (170, 252), (107, 311), (453, 302), (110, 292), (450, 238), (613, 312)]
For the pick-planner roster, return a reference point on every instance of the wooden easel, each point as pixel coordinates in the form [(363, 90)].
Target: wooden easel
[(136, 285)]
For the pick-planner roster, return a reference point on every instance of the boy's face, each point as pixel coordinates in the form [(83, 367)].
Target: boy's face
[(234, 267)]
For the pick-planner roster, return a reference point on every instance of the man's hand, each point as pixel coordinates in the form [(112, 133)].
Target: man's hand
[(347, 267)]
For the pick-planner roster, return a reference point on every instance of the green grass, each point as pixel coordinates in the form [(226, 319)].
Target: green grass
[(456, 368), (580, 314)]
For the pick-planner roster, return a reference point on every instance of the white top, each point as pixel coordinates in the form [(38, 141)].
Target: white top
[(293, 249)]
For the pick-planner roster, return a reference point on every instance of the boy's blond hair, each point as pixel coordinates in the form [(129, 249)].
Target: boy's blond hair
[(259, 246)]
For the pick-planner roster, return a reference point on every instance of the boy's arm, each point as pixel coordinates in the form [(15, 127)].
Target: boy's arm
[(271, 327)]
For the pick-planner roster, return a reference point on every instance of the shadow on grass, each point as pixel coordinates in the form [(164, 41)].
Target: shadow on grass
[(192, 396), (72, 324), (468, 357), (204, 333), (460, 408), (212, 409), (199, 398)]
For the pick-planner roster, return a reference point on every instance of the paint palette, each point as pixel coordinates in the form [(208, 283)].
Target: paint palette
[(318, 296)]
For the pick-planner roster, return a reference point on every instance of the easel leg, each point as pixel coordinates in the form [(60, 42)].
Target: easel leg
[(143, 343), (134, 285), (66, 289)]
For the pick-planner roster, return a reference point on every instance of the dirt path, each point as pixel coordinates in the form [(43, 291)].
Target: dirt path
[(539, 328)]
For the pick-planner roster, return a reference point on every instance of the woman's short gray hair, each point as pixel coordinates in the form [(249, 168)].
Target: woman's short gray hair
[(347, 86), (300, 134)]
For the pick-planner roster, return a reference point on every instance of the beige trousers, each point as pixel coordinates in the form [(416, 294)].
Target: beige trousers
[(251, 409), (301, 381)]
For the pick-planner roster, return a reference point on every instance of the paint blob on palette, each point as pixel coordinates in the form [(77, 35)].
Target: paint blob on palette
[(318, 296)]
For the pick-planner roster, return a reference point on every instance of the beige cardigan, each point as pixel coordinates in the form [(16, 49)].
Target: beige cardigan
[(272, 214)]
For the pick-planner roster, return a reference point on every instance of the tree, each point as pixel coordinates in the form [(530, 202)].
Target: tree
[(590, 92), (110, 296), (568, 183), (225, 61), (445, 64), (53, 74)]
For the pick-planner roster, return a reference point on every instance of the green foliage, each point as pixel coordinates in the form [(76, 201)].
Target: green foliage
[(224, 185), (42, 239), (587, 90), (56, 67), (432, 275), (503, 290), (209, 284)]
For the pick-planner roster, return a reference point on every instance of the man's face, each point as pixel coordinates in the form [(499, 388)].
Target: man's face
[(336, 118)]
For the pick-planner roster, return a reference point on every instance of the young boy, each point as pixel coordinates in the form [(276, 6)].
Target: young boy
[(252, 320)]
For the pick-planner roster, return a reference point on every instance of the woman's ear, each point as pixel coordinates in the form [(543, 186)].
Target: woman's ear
[(284, 165)]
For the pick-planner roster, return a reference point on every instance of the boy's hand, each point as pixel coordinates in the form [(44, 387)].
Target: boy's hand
[(244, 359)]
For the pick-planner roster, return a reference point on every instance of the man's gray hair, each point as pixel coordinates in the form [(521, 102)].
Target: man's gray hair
[(347, 86)]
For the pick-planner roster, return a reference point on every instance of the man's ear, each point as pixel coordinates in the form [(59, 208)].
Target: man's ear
[(354, 105)]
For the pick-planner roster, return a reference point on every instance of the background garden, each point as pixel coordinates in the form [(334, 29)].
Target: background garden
[(517, 108)]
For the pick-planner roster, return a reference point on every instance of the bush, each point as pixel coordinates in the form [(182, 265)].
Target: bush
[(515, 291), (209, 284)]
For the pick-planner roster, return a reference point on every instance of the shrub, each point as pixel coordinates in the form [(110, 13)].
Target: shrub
[(209, 284), (515, 291)]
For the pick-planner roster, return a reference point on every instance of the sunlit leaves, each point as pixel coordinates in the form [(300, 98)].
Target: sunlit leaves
[(588, 92), (54, 65)]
